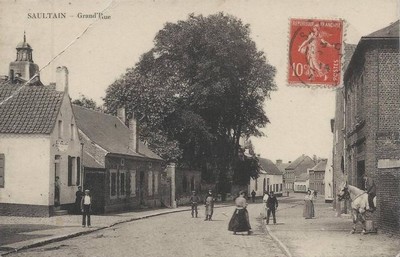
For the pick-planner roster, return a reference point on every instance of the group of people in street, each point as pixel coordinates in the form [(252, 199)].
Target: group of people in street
[(209, 205)]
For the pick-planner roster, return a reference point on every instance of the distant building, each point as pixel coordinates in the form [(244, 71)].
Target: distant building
[(372, 121), (295, 169), (270, 179), (187, 180), (282, 166), (120, 171), (302, 183), (317, 177), (40, 151)]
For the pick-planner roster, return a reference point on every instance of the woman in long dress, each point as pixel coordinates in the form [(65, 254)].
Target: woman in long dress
[(209, 206), (308, 211), (240, 218)]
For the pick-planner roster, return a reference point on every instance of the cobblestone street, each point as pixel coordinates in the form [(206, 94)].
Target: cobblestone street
[(170, 235)]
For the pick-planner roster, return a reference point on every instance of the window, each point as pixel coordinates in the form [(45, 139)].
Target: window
[(60, 129), (113, 183), (122, 182), (72, 171), (156, 183), (2, 170), (78, 171), (69, 171), (150, 183), (72, 132), (133, 182)]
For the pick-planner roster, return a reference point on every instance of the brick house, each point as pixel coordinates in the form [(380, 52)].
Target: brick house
[(121, 172), (295, 169), (372, 118), (338, 129), (301, 183), (317, 177), (38, 141)]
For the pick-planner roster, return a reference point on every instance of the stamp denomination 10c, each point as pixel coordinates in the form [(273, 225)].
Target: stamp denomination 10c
[(315, 51)]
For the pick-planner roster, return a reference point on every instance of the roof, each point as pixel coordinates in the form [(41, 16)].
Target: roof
[(294, 164), (321, 165), (109, 132), (282, 166), (32, 110), (391, 31), (90, 161), (348, 53), (302, 177), (270, 167)]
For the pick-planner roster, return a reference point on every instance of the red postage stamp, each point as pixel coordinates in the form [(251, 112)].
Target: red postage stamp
[(315, 51)]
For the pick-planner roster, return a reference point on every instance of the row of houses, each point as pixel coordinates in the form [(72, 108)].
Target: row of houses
[(301, 175), (366, 127), (49, 147)]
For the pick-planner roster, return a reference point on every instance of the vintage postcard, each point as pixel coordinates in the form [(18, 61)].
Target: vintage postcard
[(199, 128)]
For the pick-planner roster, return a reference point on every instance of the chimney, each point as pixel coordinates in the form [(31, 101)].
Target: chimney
[(121, 114), (279, 161), (134, 134), (62, 79)]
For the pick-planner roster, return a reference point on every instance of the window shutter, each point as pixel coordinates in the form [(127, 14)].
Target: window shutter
[(69, 171), (2, 170), (78, 171)]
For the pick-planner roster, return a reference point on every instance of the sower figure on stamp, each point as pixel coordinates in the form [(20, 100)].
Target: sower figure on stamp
[(310, 47), (194, 200), (272, 205), (209, 206), (370, 187), (86, 207)]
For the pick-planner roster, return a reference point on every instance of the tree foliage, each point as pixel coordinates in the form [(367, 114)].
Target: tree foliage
[(86, 102), (197, 92)]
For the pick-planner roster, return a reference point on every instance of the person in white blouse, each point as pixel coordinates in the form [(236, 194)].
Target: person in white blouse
[(86, 207)]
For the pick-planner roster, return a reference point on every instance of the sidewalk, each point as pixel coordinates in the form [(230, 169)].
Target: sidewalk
[(19, 233), (325, 235)]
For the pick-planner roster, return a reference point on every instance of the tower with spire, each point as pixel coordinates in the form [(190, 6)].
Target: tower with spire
[(23, 68)]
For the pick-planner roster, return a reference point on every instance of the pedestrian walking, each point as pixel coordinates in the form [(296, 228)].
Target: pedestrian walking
[(57, 188), (240, 218), (209, 202), (78, 198), (264, 208), (253, 196), (194, 200), (308, 211), (272, 205), (86, 207)]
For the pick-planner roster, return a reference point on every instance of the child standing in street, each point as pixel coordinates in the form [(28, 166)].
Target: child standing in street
[(194, 200)]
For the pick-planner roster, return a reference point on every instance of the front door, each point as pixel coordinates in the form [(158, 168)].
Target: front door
[(360, 174)]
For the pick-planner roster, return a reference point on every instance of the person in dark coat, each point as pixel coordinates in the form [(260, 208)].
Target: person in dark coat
[(253, 196), (272, 205), (370, 187), (240, 218), (78, 198), (194, 200)]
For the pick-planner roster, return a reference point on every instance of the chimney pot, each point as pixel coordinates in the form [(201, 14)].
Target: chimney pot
[(121, 114), (279, 161), (62, 79), (134, 134)]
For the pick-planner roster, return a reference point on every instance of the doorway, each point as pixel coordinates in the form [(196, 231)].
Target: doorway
[(360, 174)]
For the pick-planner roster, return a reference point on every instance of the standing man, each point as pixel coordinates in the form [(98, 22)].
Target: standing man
[(57, 187), (272, 205), (370, 187), (253, 196), (86, 206), (265, 199), (209, 206), (78, 198), (194, 199)]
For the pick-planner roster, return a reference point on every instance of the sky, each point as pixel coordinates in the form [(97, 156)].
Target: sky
[(98, 51)]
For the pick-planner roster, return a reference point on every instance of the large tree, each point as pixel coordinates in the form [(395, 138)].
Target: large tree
[(197, 92)]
